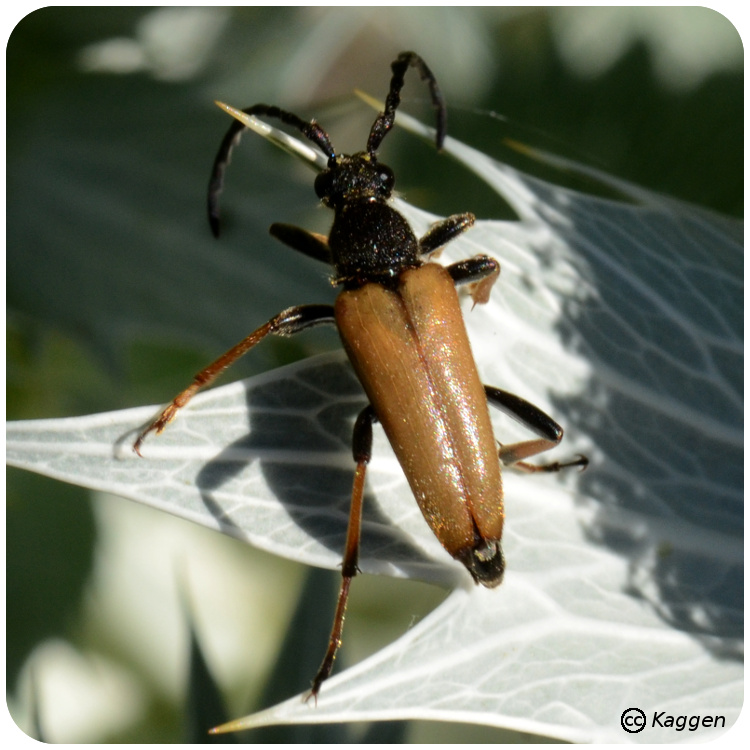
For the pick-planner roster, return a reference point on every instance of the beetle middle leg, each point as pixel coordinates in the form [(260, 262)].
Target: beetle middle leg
[(308, 243), (288, 322), (480, 272), (362, 452), (550, 433)]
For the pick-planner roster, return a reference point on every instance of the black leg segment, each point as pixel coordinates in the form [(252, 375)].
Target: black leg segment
[(444, 231), (313, 245), (525, 412), (481, 272), (300, 318), (530, 416), (471, 270), (362, 435)]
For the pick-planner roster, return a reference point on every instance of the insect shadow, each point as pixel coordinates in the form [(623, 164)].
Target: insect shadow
[(299, 430)]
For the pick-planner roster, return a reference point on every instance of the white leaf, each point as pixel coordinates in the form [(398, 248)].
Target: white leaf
[(624, 584)]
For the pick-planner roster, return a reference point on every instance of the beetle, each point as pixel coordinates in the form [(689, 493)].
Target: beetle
[(401, 325)]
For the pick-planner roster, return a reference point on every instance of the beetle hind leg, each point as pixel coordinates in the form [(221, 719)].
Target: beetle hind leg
[(290, 321), (362, 451), (550, 434)]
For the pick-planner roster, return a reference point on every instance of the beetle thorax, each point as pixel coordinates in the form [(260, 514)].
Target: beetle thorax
[(371, 242)]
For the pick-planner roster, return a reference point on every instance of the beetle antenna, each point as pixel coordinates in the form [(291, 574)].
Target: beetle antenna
[(384, 121), (310, 129)]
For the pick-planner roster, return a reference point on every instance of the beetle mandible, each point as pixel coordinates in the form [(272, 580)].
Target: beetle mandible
[(401, 325)]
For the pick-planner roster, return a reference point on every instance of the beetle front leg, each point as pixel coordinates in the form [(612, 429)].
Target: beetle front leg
[(550, 433), (362, 451), (290, 321), (444, 231)]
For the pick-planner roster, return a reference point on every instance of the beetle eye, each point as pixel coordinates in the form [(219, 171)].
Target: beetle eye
[(323, 184)]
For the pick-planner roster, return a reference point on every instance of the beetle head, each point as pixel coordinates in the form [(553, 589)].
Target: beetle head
[(353, 178)]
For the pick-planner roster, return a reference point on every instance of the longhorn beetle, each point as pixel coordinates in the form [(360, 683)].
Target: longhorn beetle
[(401, 325)]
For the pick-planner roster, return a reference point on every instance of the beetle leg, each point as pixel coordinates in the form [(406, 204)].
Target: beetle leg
[(480, 271), (550, 433), (444, 231), (290, 321), (475, 269), (362, 451), (507, 456), (313, 245)]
